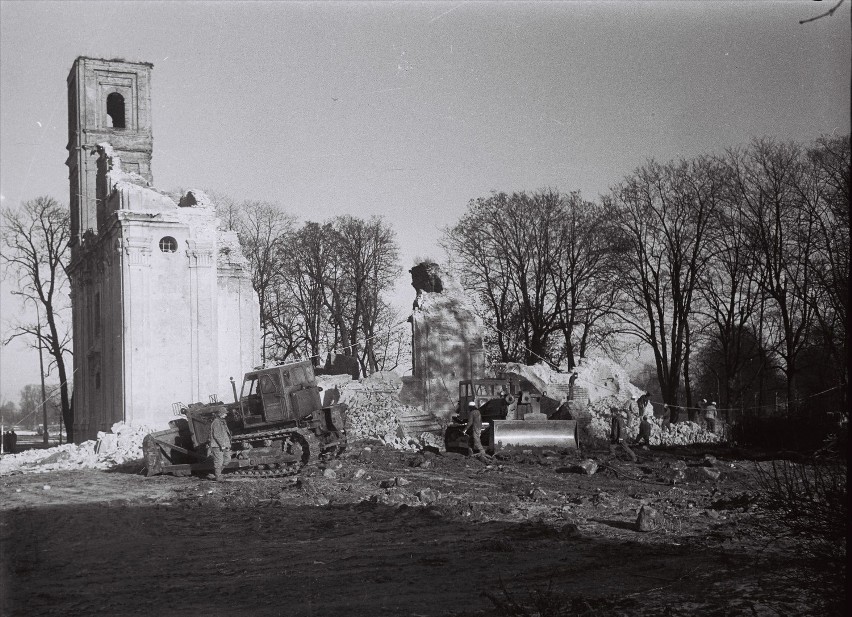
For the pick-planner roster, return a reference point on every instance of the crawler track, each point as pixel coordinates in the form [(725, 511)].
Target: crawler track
[(308, 448)]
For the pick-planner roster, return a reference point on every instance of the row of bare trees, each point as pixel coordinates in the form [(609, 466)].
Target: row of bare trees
[(322, 286), (732, 269), (542, 268)]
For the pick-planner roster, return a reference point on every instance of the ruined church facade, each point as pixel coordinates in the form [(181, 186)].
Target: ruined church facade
[(163, 309)]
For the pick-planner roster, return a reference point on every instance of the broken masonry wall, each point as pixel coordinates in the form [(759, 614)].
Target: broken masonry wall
[(238, 316), (447, 342), (173, 319)]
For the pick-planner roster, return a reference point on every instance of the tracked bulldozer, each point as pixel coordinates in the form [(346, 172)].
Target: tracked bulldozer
[(510, 417), (277, 426)]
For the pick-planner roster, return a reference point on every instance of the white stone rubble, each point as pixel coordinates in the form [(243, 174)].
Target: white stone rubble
[(121, 445)]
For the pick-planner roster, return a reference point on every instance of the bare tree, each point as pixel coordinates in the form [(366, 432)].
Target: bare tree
[(265, 232), (587, 272), (36, 237), (729, 289), (371, 256), (827, 198), (768, 178), (509, 250), (661, 215)]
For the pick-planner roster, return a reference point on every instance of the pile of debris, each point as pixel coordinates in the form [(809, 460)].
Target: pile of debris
[(374, 410), (662, 433), (121, 445)]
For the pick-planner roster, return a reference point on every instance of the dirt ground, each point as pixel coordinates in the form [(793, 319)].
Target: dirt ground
[(383, 532)]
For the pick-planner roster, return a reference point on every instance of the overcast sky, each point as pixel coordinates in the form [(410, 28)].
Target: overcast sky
[(408, 110)]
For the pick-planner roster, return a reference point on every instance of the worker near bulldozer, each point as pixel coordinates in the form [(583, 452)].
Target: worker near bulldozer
[(644, 432), (474, 425), (616, 434), (219, 444), (710, 416)]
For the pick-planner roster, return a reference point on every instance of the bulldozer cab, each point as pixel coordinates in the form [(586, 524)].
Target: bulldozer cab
[(279, 394), (480, 391)]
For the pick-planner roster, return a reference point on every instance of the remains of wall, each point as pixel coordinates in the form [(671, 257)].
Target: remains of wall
[(447, 342), (166, 308)]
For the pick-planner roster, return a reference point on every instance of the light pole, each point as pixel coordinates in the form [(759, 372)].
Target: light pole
[(41, 373)]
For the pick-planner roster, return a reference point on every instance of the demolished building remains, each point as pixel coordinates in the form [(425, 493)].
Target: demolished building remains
[(162, 304)]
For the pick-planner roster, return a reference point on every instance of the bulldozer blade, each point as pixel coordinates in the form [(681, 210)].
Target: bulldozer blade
[(553, 433)]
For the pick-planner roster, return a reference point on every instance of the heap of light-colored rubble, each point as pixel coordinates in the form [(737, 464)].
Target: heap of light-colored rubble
[(374, 410), (678, 434), (608, 386), (122, 444)]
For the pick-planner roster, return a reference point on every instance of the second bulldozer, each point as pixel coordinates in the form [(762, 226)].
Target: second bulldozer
[(510, 417)]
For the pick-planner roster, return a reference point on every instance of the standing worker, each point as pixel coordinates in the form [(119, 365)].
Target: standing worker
[(644, 432), (632, 409), (220, 441), (710, 416), (617, 434), (474, 425)]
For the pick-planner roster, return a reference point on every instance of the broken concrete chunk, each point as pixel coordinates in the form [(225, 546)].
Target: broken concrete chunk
[(587, 466), (428, 495), (712, 474), (648, 519), (537, 493)]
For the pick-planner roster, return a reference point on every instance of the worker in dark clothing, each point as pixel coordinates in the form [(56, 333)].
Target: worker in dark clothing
[(474, 425), (220, 442), (644, 432), (693, 412), (642, 403), (616, 433), (13, 441), (673, 414)]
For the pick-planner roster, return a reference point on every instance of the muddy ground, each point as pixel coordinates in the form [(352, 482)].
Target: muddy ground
[(383, 532)]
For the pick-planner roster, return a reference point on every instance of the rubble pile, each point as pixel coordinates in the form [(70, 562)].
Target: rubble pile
[(679, 434), (121, 445), (608, 386), (374, 410)]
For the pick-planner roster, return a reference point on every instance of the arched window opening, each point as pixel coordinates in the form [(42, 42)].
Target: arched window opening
[(115, 110), (168, 245)]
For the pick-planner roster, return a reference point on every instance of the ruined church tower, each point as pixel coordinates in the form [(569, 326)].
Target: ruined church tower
[(163, 310)]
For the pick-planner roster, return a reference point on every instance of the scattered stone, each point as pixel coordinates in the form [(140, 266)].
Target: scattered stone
[(678, 465), (586, 466), (321, 500), (330, 474), (402, 482), (360, 473), (712, 474), (569, 530), (709, 460), (428, 496), (537, 493), (46, 487), (334, 464), (648, 519), (307, 485)]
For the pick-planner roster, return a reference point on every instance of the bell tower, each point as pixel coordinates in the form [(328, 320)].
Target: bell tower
[(108, 101)]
